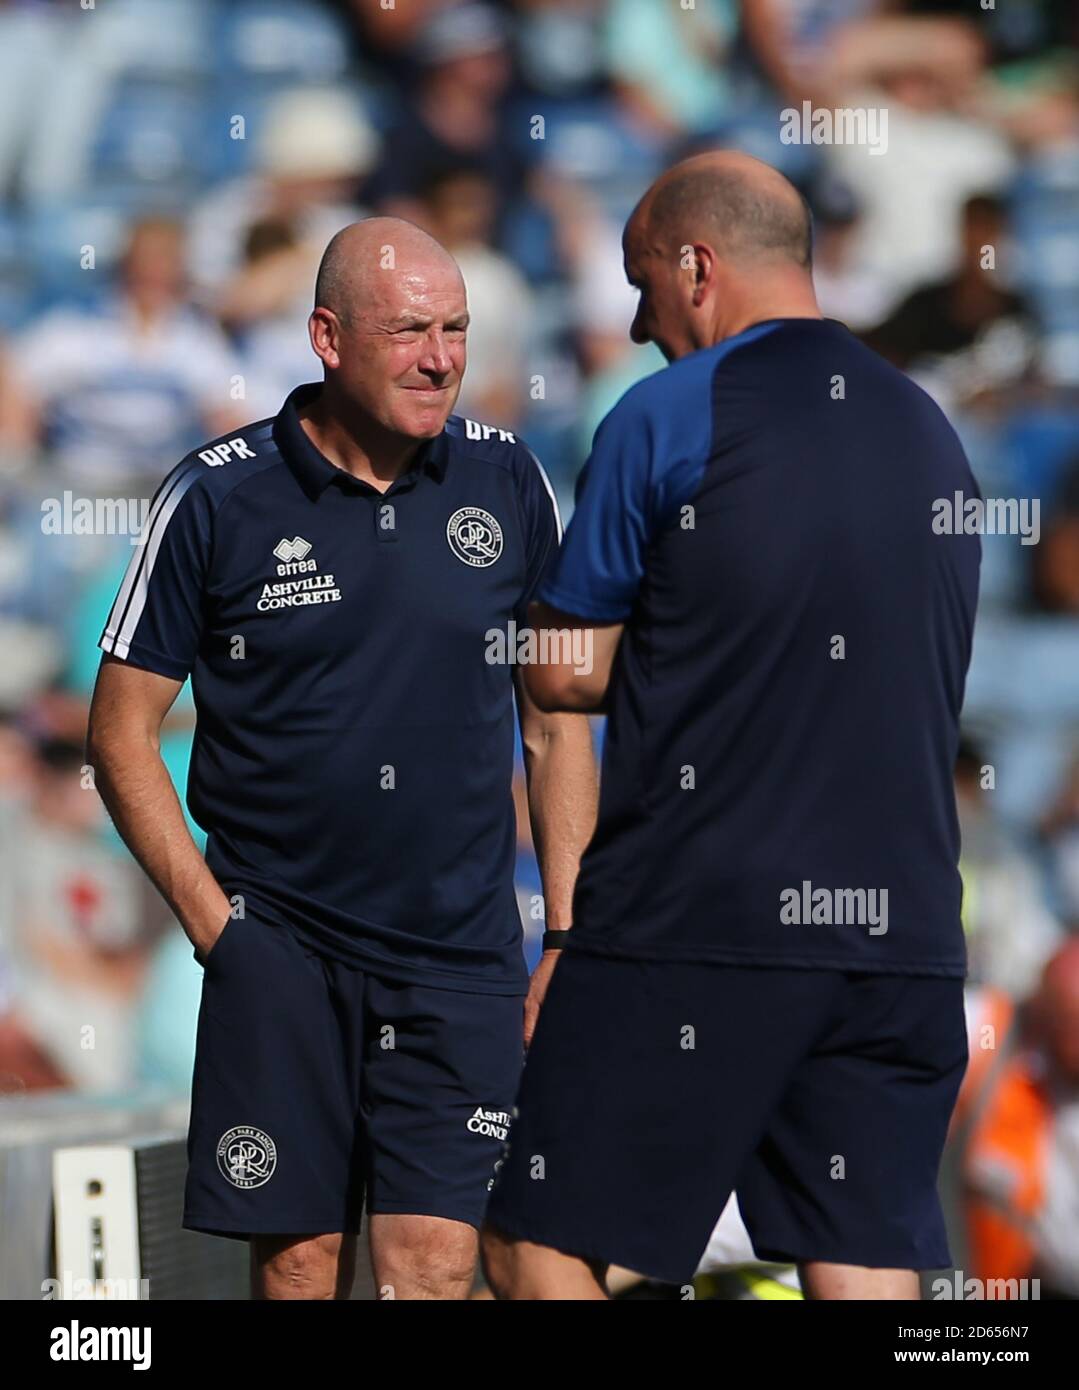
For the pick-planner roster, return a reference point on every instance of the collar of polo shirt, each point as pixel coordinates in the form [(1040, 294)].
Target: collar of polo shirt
[(314, 470)]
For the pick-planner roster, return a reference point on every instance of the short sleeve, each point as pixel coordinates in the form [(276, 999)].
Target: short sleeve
[(542, 527), (601, 562), (156, 620)]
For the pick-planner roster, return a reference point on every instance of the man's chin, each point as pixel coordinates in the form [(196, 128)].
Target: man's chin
[(425, 419)]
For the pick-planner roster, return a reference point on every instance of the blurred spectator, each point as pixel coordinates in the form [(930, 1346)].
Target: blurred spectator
[(1010, 932), (603, 306), (669, 63), (559, 46), (256, 240), (845, 290), (76, 946), (122, 391), (937, 157), (1056, 559), (1060, 831), (969, 334), (17, 421), (455, 112), (793, 43), (1017, 1129), (387, 33), (31, 39), (24, 1066), (458, 209)]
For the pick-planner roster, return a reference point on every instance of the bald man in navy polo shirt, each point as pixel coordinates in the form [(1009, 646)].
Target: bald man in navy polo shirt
[(330, 580), (763, 988)]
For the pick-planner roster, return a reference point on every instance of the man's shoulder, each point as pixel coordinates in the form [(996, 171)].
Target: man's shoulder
[(220, 465), (683, 383), (492, 444), (505, 449)]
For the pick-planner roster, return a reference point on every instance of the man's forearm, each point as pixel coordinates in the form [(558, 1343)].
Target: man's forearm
[(562, 798), (136, 788)]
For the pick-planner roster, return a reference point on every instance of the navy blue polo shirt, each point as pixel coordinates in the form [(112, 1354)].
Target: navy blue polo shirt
[(353, 753), (784, 708)]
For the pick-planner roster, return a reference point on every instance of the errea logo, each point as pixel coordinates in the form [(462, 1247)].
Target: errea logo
[(295, 549), (296, 559), (217, 454)]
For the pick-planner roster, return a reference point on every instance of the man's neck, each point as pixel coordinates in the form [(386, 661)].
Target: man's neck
[(356, 444), (781, 297)]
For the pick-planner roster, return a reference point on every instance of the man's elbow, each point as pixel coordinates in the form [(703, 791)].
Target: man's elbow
[(558, 689)]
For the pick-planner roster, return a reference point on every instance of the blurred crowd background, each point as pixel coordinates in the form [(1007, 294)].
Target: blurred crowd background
[(170, 171)]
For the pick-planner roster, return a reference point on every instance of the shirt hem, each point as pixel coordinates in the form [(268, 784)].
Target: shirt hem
[(733, 956), (426, 977)]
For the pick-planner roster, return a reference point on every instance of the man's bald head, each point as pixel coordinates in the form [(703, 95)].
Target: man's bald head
[(389, 326), (747, 210), (363, 257), (719, 242)]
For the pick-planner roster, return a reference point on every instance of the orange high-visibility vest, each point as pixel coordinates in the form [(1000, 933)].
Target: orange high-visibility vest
[(1004, 1169)]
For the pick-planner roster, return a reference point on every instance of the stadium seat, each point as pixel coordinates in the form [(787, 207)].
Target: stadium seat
[(280, 40)]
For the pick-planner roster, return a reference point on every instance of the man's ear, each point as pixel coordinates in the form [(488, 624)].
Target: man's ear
[(704, 273), (324, 330)]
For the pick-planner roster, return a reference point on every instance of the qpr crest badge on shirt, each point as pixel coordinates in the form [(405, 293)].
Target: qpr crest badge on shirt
[(475, 537)]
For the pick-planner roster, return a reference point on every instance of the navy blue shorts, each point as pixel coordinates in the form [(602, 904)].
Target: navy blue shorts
[(317, 1083), (651, 1091)]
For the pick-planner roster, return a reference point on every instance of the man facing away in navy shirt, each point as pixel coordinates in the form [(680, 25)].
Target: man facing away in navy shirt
[(762, 990), (333, 580)]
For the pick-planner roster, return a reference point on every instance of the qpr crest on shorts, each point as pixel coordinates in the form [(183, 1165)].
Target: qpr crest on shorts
[(475, 537), (246, 1156)]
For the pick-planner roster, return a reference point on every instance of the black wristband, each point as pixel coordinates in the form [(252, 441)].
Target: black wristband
[(554, 938)]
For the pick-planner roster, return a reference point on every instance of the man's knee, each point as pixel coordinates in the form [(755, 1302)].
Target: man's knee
[(521, 1270), (315, 1267), (497, 1253), (423, 1257)]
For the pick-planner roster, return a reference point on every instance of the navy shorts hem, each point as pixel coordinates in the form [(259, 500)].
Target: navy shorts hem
[(877, 1258), (448, 1211), (580, 1247), (281, 1226)]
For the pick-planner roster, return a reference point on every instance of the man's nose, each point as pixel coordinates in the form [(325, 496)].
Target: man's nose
[(637, 331), (435, 357)]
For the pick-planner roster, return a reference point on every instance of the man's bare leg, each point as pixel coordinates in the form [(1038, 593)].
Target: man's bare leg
[(422, 1257), (820, 1280), (518, 1270), (291, 1267)]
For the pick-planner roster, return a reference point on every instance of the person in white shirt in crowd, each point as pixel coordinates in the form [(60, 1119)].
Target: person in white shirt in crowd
[(75, 944), (313, 148), (114, 392), (912, 182)]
